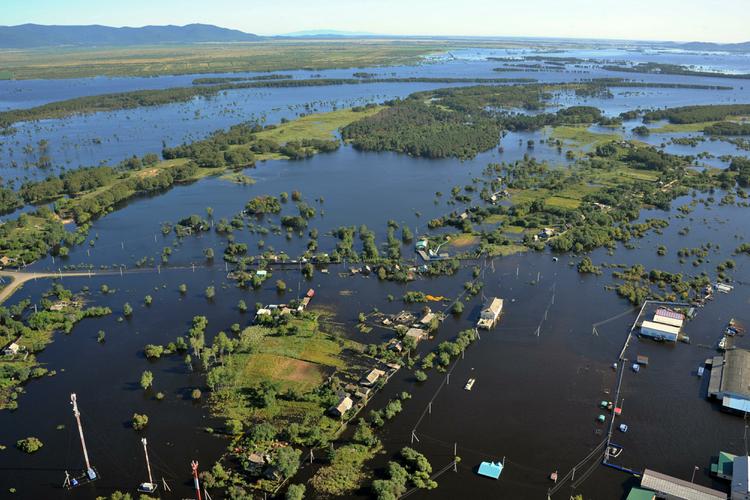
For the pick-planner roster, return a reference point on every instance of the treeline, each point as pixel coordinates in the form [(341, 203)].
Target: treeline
[(670, 69), (95, 205), (143, 98), (459, 122), (237, 147), (418, 129), (728, 128), (228, 79), (742, 167), (697, 114), (31, 236)]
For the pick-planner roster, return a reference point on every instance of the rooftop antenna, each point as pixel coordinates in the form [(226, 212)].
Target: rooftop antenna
[(90, 472), (150, 486)]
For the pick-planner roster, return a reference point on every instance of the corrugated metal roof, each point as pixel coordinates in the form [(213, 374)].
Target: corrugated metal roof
[(490, 469), (736, 403), (668, 313), (678, 488), (741, 475), (735, 379), (665, 320), (672, 330)]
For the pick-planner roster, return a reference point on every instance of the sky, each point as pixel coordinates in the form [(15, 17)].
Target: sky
[(677, 20)]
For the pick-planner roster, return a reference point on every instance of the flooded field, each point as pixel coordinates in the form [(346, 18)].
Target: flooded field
[(540, 374)]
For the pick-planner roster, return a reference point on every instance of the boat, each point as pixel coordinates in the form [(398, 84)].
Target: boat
[(553, 476), (700, 371), (614, 366), (623, 427), (601, 418), (470, 384), (636, 367), (723, 344)]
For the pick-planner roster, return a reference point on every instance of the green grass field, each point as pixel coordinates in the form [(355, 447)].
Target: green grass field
[(211, 58), (581, 137), (316, 126)]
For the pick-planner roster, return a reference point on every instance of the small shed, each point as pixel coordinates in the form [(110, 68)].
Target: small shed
[(372, 377), (12, 349), (344, 405), (722, 467), (416, 333)]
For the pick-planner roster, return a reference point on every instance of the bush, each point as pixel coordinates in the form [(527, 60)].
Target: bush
[(29, 444), (139, 421)]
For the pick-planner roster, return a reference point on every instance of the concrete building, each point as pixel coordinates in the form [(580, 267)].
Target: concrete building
[(659, 331), (730, 380), (673, 488)]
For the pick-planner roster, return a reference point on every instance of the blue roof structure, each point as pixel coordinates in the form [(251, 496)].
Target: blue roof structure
[(736, 403), (491, 469)]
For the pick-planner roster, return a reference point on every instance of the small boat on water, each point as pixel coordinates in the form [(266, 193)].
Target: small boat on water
[(636, 367), (623, 427), (700, 371), (470, 384), (553, 477), (601, 418), (723, 344)]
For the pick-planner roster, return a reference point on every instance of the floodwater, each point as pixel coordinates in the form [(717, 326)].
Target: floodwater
[(540, 374)]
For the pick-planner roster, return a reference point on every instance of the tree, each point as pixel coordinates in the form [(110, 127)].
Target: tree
[(287, 461), (280, 286), (29, 444), (153, 351), (127, 309), (196, 394), (182, 288), (209, 253), (458, 307), (139, 421), (147, 379), (210, 292), (148, 299), (295, 492), (242, 306)]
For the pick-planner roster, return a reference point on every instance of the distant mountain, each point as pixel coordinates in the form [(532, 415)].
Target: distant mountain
[(36, 35), (714, 47), (329, 33)]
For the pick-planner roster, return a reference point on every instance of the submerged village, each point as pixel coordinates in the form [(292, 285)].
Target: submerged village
[(436, 269)]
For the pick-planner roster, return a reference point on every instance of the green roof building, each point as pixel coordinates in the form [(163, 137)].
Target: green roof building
[(723, 466), (641, 494)]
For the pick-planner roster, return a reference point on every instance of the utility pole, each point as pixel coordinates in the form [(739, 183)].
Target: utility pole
[(151, 485), (89, 470), (194, 466)]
